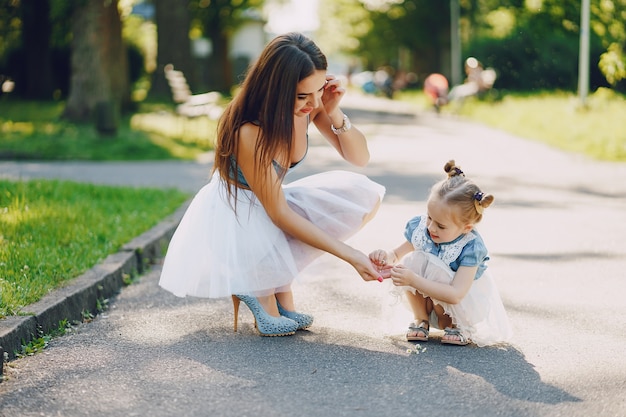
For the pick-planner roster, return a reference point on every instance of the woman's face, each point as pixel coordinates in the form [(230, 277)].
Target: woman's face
[(309, 93)]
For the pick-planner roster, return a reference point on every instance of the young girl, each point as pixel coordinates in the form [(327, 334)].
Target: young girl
[(444, 272), (248, 235)]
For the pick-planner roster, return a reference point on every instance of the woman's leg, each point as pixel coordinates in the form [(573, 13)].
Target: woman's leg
[(285, 298), (268, 302), (286, 307)]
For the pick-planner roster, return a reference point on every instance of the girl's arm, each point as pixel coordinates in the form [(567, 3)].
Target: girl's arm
[(351, 145), (451, 293), (267, 188)]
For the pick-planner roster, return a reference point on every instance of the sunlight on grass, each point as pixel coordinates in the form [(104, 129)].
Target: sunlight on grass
[(559, 120), (555, 118), (52, 231), (25, 128), (199, 131), (36, 130)]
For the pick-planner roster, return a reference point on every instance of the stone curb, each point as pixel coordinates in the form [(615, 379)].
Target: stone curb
[(82, 294)]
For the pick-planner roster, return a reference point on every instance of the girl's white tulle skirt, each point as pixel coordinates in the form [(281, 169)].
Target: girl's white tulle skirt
[(215, 252), (480, 316)]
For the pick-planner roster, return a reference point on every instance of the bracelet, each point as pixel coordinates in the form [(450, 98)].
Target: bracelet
[(344, 128)]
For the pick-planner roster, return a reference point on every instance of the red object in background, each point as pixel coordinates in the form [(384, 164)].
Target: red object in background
[(436, 86)]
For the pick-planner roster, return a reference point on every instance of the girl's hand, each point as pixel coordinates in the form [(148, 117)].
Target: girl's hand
[(379, 258), (403, 276), (333, 92)]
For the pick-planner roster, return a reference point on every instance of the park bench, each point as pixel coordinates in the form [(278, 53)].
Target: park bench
[(188, 104)]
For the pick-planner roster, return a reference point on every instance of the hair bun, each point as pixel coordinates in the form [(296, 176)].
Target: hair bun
[(452, 170)]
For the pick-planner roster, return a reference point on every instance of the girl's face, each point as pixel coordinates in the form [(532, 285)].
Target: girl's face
[(309, 93), (441, 223)]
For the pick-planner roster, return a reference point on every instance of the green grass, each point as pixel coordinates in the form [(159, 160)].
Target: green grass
[(558, 119), (36, 130), (52, 231)]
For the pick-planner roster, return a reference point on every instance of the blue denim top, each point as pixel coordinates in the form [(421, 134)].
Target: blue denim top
[(466, 250)]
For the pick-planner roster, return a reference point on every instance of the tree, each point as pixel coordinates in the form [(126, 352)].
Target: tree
[(36, 31), (219, 19), (375, 31), (99, 60), (173, 44)]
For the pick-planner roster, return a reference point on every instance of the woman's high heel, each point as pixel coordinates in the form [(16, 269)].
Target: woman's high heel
[(266, 325), (304, 320)]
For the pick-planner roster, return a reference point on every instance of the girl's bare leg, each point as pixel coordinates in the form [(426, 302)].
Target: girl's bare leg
[(419, 305), (442, 317), (445, 321)]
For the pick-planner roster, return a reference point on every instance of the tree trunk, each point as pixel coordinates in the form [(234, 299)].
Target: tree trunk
[(115, 54), (173, 45), (35, 40), (99, 61), (220, 76)]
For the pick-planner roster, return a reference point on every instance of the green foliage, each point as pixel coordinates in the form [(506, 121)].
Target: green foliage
[(39, 343), (374, 30), (421, 26), (613, 64), (52, 231), (542, 50), (532, 44), (35, 130), (343, 23), (10, 25), (227, 14), (526, 61)]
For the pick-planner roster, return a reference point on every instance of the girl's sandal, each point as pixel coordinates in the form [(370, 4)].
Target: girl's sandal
[(449, 331), (418, 332)]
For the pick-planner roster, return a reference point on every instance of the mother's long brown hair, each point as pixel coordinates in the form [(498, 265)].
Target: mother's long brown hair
[(267, 96)]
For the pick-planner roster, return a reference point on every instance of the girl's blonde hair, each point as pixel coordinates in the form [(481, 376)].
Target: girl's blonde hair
[(462, 194)]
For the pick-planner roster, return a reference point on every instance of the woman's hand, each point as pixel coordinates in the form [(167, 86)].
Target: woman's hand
[(365, 267), (333, 92)]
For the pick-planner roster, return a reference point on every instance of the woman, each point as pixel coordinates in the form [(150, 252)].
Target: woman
[(247, 234)]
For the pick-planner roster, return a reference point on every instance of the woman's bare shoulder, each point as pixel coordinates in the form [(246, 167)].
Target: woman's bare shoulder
[(248, 134)]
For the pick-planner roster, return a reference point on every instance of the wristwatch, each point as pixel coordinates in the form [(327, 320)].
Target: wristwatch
[(344, 128)]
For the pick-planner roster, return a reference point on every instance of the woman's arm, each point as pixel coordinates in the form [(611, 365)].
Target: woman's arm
[(267, 188), (351, 144)]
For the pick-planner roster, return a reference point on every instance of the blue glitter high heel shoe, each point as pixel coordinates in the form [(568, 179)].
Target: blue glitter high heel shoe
[(266, 325), (304, 320)]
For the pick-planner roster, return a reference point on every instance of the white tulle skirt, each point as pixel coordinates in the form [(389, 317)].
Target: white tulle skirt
[(216, 252), (480, 316)]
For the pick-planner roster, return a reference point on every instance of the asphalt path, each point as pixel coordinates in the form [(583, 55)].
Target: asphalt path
[(556, 235)]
